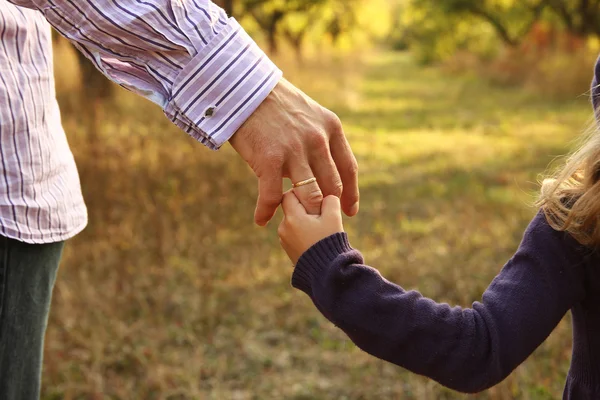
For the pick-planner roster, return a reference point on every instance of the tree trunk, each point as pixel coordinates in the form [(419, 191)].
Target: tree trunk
[(97, 89), (272, 31), (272, 40), (299, 55), (228, 7), (96, 85), (297, 40)]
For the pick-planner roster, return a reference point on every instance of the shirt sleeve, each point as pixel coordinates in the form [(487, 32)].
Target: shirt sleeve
[(468, 350), (187, 56)]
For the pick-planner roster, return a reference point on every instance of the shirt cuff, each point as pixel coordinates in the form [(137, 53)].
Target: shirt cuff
[(315, 261), (221, 87)]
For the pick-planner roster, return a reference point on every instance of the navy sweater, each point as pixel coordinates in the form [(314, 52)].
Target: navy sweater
[(472, 349)]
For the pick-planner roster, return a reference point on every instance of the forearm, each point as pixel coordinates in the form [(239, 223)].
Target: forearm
[(467, 350), (187, 56), (396, 325)]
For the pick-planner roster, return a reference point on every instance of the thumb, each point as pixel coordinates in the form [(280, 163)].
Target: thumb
[(291, 205), (331, 207)]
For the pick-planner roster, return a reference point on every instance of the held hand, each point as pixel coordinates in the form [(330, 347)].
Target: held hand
[(299, 230), (291, 136)]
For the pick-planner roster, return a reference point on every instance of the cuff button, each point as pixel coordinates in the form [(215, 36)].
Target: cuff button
[(210, 111)]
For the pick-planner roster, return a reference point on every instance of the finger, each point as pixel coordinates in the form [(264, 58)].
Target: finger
[(291, 205), (327, 175), (310, 195), (348, 169), (331, 207), (270, 191)]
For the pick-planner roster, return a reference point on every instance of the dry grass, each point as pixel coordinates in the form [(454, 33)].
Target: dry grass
[(172, 292)]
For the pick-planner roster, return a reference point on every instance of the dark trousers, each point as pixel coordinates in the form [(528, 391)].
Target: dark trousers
[(27, 276)]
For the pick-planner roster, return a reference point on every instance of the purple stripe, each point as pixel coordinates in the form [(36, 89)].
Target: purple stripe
[(16, 80), (201, 67), (130, 74), (149, 68), (143, 38), (36, 117), (61, 204), (14, 134), (34, 171), (28, 129), (202, 10), (91, 56), (221, 73), (156, 72), (57, 206), (6, 182), (91, 22), (239, 82), (46, 59), (195, 25), (208, 15), (248, 100), (139, 18), (168, 60), (97, 44), (114, 23), (175, 27), (117, 25)]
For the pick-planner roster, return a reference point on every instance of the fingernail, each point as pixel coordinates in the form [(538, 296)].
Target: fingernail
[(354, 209)]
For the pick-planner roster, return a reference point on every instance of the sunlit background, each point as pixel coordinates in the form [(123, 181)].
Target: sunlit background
[(454, 109)]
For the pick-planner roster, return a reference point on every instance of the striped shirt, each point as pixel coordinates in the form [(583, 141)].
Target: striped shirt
[(187, 56)]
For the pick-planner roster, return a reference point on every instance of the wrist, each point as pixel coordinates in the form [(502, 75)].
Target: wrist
[(242, 77), (317, 258), (263, 110)]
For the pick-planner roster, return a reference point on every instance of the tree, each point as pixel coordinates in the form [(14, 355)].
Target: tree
[(511, 21), (269, 15), (295, 32), (580, 17), (227, 5)]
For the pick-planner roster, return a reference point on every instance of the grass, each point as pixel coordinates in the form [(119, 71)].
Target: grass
[(173, 293)]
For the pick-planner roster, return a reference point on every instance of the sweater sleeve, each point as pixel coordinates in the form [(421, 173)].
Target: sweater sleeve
[(468, 350)]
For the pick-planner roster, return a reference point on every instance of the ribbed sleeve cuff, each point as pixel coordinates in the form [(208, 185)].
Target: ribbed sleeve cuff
[(313, 263)]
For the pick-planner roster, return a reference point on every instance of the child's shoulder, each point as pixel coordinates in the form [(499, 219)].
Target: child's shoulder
[(544, 238)]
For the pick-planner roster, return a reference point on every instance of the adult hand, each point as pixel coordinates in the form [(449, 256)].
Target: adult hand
[(291, 136)]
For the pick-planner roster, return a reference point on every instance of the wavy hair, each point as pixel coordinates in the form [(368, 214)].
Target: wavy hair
[(570, 198)]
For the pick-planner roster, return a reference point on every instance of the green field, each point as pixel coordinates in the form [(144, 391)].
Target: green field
[(173, 293)]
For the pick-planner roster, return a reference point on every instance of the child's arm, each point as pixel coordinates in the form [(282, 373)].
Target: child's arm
[(467, 350)]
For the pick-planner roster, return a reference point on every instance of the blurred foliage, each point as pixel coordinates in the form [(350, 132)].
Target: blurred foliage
[(510, 20), (339, 23), (580, 17), (434, 30), (437, 30)]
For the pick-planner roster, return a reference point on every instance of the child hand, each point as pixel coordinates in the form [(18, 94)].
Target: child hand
[(299, 230)]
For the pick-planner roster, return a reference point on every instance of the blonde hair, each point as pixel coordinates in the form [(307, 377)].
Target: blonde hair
[(570, 199)]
